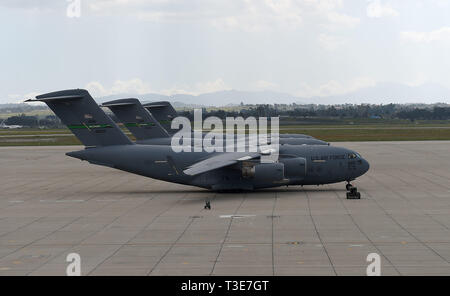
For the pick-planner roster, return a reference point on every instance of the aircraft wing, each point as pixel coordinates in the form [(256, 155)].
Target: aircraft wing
[(219, 161)]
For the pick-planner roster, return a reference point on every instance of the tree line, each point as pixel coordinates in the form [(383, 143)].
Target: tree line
[(286, 112), (49, 121)]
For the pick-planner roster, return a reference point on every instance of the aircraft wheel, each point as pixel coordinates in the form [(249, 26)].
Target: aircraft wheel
[(353, 194)]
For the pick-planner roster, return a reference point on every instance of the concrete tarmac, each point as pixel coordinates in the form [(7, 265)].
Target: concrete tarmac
[(123, 224)]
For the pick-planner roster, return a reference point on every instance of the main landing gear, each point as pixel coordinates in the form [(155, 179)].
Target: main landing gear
[(352, 192), (207, 205)]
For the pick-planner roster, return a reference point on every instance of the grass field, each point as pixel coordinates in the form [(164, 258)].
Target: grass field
[(376, 134), (329, 133)]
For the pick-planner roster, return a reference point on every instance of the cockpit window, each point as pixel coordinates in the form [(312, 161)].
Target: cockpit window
[(352, 155)]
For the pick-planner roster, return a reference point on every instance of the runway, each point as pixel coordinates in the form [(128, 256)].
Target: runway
[(122, 224)]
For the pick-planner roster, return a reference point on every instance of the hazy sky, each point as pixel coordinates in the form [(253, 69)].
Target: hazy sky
[(304, 47)]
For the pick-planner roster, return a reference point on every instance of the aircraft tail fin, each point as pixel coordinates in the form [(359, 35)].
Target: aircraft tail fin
[(81, 114), (163, 112), (136, 119)]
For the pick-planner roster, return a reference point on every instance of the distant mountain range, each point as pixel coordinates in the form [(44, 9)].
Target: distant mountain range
[(385, 93), (220, 98), (382, 93)]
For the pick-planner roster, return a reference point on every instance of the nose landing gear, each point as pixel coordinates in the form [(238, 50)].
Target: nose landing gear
[(352, 192), (207, 205)]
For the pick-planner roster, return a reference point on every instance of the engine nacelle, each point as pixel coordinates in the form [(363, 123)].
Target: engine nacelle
[(264, 172)]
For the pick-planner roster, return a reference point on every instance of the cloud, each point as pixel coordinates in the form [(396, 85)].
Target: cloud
[(442, 34), (287, 14), (132, 86), (326, 13), (256, 15), (263, 85), (135, 86), (339, 20), (441, 3), (210, 86), (36, 5), (18, 99), (330, 42), (138, 87), (334, 87), (197, 88), (376, 9), (228, 15)]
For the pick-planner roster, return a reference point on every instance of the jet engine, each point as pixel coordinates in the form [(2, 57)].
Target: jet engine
[(264, 171)]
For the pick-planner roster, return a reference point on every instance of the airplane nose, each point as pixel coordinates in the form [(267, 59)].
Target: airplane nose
[(318, 142), (365, 166)]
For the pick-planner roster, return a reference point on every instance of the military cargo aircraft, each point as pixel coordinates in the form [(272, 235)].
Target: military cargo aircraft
[(105, 144), (164, 113), (149, 131), (9, 126)]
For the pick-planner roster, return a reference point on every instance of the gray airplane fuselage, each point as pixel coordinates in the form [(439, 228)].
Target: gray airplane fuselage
[(300, 165)]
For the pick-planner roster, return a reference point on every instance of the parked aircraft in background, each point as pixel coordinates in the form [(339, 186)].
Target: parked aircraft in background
[(164, 113), (147, 129), (7, 126)]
